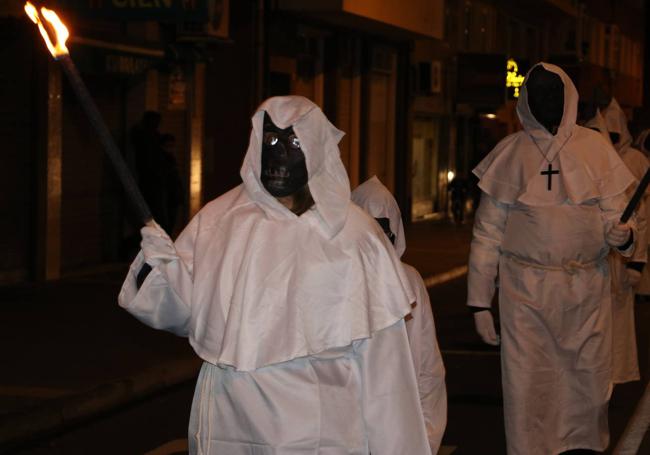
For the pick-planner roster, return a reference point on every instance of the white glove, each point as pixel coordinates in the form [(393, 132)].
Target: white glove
[(484, 323), (633, 277), (156, 245), (618, 234)]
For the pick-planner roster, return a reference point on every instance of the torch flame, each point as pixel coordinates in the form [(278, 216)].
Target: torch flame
[(54, 23)]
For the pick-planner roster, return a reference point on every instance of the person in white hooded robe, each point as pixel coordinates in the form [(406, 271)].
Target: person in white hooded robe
[(597, 123), (626, 272), (642, 144), (294, 299), (374, 198), (552, 195)]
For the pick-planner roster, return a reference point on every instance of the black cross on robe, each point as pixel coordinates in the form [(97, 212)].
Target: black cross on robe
[(550, 173)]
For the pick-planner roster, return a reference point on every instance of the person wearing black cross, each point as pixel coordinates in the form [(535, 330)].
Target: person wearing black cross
[(552, 195)]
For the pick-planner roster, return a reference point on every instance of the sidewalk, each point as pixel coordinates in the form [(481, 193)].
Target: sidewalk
[(69, 352)]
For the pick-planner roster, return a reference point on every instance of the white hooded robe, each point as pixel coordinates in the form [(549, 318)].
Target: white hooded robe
[(294, 316), (548, 249), (597, 123), (644, 285), (625, 360), (374, 198)]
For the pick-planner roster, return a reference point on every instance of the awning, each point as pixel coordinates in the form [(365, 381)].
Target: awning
[(418, 19)]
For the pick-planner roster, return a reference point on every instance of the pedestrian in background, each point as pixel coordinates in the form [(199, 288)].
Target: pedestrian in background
[(626, 272), (171, 184)]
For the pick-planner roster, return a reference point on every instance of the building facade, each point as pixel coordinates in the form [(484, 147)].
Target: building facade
[(418, 86)]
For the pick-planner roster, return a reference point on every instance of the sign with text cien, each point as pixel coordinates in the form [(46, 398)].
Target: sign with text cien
[(155, 10)]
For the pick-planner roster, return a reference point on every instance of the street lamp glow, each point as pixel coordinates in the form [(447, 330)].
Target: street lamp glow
[(450, 176)]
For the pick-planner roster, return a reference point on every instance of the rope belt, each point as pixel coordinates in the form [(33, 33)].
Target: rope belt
[(571, 266)]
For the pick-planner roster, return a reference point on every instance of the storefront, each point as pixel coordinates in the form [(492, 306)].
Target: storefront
[(71, 214)]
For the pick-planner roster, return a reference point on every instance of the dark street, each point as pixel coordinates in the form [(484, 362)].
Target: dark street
[(106, 384)]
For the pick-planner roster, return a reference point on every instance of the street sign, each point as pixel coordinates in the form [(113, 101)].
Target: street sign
[(153, 10)]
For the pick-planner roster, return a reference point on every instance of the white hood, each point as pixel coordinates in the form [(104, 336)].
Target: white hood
[(640, 142), (549, 143), (598, 123), (374, 198), (616, 122), (588, 165), (328, 180)]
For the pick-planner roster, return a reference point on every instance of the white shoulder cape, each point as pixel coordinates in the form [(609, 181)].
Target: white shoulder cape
[(589, 169)]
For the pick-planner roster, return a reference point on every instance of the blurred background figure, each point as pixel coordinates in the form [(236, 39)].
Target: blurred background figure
[(458, 191), (626, 272), (146, 141), (642, 144), (172, 185), (157, 170)]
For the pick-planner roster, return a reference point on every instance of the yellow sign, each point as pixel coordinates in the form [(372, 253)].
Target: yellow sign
[(514, 80)]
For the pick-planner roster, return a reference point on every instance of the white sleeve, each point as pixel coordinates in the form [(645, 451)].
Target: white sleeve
[(612, 208), (431, 380), (163, 300), (391, 407), (489, 227)]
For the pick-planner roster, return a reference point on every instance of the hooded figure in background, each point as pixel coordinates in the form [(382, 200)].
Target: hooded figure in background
[(626, 272), (374, 198), (642, 144), (294, 298), (552, 195), (597, 123)]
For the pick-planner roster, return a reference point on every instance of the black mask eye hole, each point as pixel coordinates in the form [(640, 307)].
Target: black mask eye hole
[(270, 138), (294, 142), (385, 226)]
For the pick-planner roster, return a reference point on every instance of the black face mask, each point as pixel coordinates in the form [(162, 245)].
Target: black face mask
[(385, 225), (546, 98), (284, 170)]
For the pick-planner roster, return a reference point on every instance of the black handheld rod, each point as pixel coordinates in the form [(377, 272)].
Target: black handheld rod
[(636, 198), (124, 174)]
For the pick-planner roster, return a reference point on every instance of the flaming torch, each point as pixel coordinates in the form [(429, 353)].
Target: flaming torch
[(50, 27)]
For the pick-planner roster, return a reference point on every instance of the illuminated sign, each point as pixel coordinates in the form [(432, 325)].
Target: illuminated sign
[(162, 10), (514, 80)]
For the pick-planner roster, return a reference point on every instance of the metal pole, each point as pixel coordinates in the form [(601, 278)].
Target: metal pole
[(636, 198), (124, 174)]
